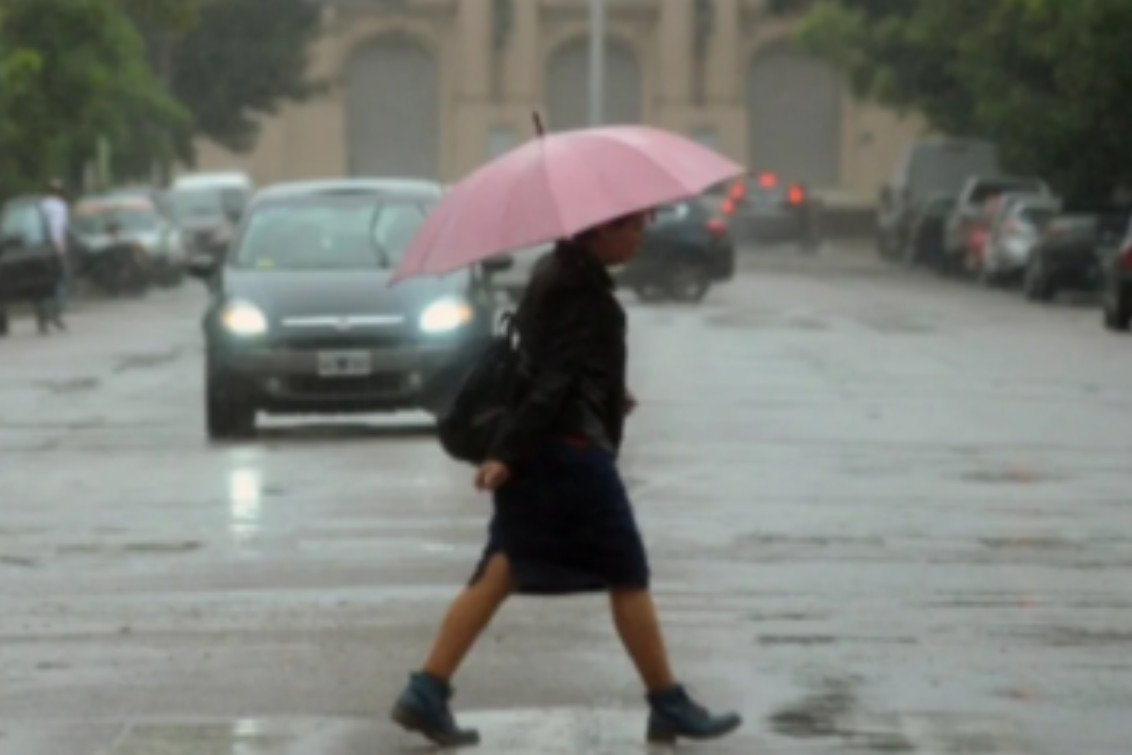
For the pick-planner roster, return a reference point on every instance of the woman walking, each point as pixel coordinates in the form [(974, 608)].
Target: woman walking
[(563, 523)]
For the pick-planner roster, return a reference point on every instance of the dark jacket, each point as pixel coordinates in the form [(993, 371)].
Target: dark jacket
[(573, 331)]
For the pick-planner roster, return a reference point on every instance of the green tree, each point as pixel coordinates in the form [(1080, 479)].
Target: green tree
[(74, 73), (1045, 79), (235, 61)]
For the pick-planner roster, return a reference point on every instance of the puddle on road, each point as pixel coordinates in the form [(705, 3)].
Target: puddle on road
[(1074, 637), (1030, 543), (145, 361), (830, 712), (897, 324), (170, 548), (73, 385), (18, 561), (1010, 476), (768, 319), (829, 639)]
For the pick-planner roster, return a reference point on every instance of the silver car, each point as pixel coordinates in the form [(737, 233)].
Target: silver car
[(1014, 232)]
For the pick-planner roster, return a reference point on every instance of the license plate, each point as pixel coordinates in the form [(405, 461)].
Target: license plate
[(344, 363)]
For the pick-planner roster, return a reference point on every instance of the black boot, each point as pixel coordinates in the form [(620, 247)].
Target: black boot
[(675, 715), (423, 708)]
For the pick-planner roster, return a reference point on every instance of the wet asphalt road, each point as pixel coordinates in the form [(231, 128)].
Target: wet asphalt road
[(886, 514)]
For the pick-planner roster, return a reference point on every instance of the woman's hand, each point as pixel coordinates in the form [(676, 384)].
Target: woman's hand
[(492, 475)]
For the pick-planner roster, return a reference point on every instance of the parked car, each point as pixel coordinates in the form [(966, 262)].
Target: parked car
[(137, 221), (1014, 231), (302, 318), (513, 281), (766, 208), (925, 237), (930, 168), (1068, 254), (30, 267), (158, 198), (1116, 283), (234, 188), (686, 250), (967, 229), (207, 207)]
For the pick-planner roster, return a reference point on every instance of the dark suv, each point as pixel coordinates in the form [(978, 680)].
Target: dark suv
[(29, 265)]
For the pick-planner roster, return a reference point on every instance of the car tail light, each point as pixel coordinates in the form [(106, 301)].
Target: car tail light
[(717, 227), (796, 195), (1126, 258), (768, 180)]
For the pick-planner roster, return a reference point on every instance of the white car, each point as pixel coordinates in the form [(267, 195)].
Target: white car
[(1014, 232)]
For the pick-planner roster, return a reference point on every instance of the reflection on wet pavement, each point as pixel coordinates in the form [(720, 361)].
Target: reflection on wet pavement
[(885, 515)]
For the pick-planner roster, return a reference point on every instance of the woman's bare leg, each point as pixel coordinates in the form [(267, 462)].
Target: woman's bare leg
[(469, 614), (634, 615)]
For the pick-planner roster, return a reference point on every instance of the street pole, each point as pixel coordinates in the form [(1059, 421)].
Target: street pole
[(597, 62)]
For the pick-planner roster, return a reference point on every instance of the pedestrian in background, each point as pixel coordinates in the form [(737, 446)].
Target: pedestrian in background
[(563, 523), (55, 209)]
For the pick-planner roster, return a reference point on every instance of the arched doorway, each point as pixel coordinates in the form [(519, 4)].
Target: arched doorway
[(794, 108), (567, 85), (393, 109)]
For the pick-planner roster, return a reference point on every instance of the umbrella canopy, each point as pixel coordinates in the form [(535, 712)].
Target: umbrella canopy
[(556, 186)]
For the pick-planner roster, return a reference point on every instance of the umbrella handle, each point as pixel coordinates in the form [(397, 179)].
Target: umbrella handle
[(538, 123)]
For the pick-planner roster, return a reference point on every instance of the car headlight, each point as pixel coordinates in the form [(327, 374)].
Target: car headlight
[(244, 319), (446, 315)]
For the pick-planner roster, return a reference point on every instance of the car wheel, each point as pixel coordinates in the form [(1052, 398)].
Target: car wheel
[(174, 277), (988, 278), (226, 416), (882, 246), (1120, 317), (1036, 287), (688, 283), (649, 293)]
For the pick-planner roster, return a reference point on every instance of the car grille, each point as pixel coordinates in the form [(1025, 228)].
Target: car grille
[(347, 386), (325, 342)]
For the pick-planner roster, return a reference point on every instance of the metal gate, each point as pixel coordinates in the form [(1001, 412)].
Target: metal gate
[(794, 107), (393, 110), (567, 85)]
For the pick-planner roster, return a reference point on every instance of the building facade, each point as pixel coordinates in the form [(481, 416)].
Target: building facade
[(434, 87)]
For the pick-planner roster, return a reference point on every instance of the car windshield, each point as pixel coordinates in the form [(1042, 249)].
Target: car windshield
[(129, 220), (196, 204), (329, 235)]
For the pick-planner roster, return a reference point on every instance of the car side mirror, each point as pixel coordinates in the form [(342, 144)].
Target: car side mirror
[(202, 266), (498, 264)]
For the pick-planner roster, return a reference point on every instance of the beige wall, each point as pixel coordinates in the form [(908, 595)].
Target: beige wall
[(482, 89)]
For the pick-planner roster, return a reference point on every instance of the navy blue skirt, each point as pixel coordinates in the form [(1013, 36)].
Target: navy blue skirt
[(566, 525)]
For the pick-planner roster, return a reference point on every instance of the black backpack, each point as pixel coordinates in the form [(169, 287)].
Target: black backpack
[(486, 383)]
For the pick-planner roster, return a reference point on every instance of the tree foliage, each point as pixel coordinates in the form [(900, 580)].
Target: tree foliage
[(1046, 79), (239, 61), (143, 77), (74, 74)]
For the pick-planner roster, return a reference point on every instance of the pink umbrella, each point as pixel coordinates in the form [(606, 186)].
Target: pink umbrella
[(556, 186)]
